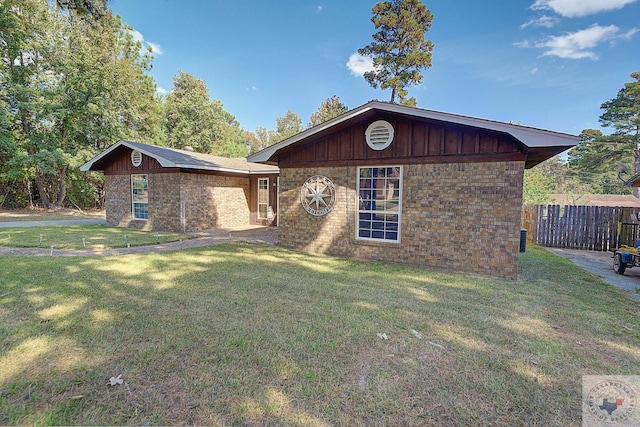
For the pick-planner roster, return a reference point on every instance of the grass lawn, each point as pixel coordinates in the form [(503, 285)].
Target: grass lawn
[(84, 237), (241, 334)]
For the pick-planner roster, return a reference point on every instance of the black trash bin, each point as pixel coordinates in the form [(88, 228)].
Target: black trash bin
[(523, 239)]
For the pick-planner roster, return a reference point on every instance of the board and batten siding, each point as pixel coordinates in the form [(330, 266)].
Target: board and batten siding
[(415, 142)]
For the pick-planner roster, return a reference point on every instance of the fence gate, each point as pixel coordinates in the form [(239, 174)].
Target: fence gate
[(593, 228)]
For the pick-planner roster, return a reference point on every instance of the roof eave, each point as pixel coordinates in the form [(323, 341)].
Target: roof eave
[(529, 136)]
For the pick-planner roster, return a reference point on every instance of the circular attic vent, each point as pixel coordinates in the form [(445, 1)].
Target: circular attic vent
[(136, 158), (379, 135)]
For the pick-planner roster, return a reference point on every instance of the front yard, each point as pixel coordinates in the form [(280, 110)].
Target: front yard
[(241, 334)]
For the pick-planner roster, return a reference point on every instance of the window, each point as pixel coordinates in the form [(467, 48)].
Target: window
[(140, 196), (380, 203), (263, 198)]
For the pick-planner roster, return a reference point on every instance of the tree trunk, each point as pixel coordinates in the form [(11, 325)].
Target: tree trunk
[(46, 203), (62, 186), (636, 168), (393, 95)]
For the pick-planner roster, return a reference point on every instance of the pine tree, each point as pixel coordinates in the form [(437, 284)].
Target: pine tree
[(399, 49)]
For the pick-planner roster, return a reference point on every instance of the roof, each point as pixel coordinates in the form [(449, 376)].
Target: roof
[(182, 159), (542, 144), (616, 200)]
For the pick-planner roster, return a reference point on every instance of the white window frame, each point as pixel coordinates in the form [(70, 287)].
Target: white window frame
[(360, 209), (266, 211), (135, 202)]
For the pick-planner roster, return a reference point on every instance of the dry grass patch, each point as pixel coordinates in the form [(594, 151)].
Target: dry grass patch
[(241, 334)]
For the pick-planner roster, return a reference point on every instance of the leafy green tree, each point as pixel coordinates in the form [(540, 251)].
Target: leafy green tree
[(623, 112), (286, 126), (91, 8), (71, 84), (233, 142), (260, 139), (599, 158), (191, 118), (329, 109), (595, 162), (399, 49), (538, 187)]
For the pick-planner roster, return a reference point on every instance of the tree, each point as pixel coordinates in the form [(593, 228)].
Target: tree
[(71, 83), (260, 139), (399, 49), (596, 160), (92, 8), (233, 138), (191, 118), (538, 186), (330, 108), (286, 126)]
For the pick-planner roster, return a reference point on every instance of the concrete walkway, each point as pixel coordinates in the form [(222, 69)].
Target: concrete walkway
[(53, 223), (601, 264), (266, 235)]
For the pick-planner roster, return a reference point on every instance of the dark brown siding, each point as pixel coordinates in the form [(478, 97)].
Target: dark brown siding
[(415, 141), (122, 164)]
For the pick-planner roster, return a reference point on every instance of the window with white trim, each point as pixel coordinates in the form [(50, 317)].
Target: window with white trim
[(140, 196), (263, 198), (379, 203)]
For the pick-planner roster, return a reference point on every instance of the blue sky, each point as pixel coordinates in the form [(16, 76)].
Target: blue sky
[(544, 63)]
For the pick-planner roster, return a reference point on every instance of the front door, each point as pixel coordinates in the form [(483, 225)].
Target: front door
[(267, 201)]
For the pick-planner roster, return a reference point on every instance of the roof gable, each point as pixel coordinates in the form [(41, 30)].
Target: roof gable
[(182, 159), (538, 144)]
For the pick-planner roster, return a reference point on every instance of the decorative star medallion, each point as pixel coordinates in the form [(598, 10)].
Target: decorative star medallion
[(318, 194)]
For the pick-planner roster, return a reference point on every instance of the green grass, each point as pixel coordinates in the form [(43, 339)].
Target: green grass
[(84, 237), (241, 334)]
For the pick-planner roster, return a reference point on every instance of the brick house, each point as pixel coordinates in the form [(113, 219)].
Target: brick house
[(395, 183), (158, 188)]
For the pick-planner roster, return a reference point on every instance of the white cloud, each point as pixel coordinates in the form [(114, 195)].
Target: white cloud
[(319, 9), (576, 8), (576, 45), (138, 37), (155, 48), (359, 64), (161, 90), (534, 70), (543, 21)]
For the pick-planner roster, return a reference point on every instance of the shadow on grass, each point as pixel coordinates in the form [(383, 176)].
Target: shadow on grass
[(251, 334)]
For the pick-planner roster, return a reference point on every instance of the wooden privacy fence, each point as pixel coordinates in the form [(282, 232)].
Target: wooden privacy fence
[(593, 228)]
